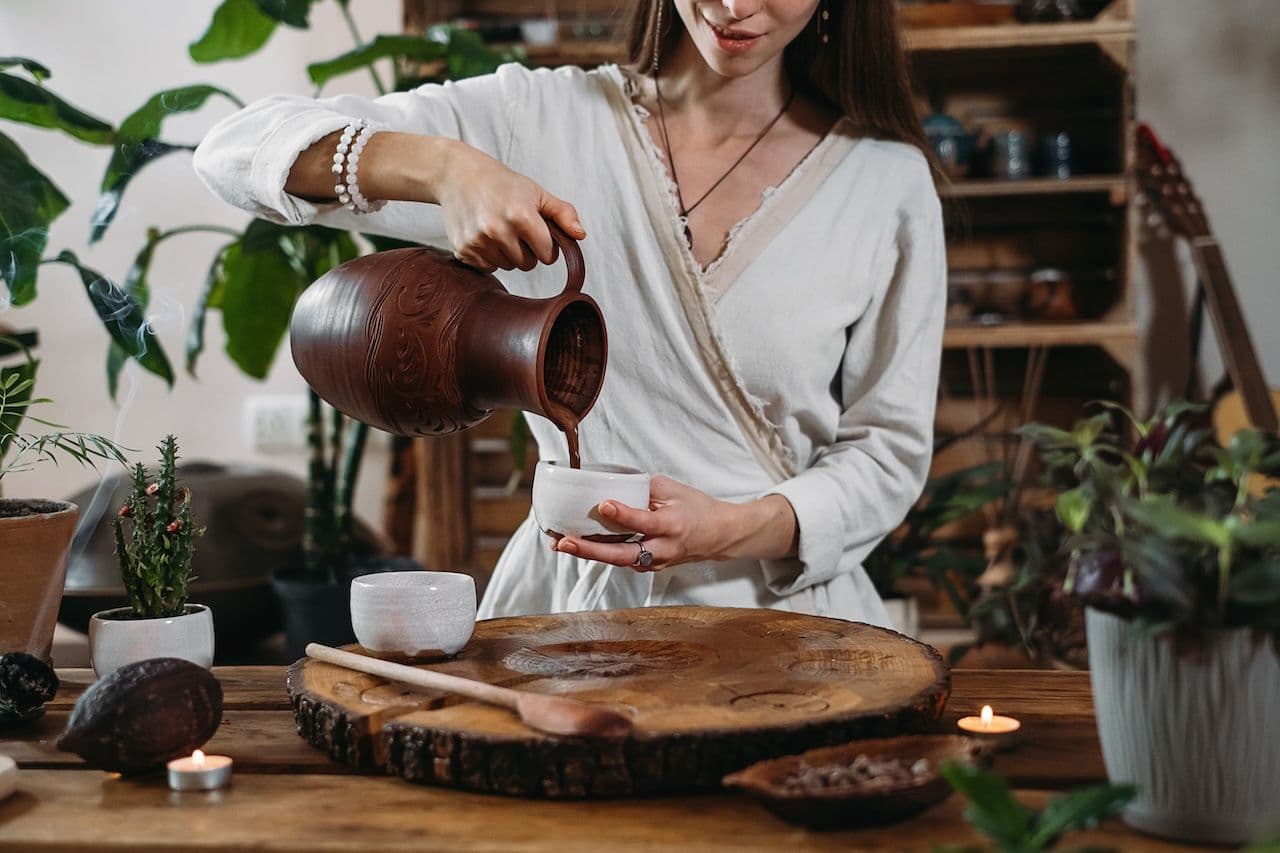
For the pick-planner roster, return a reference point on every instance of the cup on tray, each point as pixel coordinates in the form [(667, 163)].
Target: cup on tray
[(565, 500), (413, 614)]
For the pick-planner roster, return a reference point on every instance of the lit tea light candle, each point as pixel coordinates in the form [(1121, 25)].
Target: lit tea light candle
[(8, 776), (991, 728), (199, 772)]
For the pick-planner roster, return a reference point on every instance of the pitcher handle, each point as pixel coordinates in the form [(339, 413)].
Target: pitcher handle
[(577, 269)]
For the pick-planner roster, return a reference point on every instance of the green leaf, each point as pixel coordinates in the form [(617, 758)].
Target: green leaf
[(383, 46), (18, 383), (137, 144), (259, 289), (29, 202), (992, 809), (1164, 516), (117, 358), (138, 155), (123, 318), (1078, 810), (1257, 584), (291, 12), (469, 56), (1073, 508), (30, 103), (1260, 533), (238, 29), (210, 297), (35, 69), (1045, 436)]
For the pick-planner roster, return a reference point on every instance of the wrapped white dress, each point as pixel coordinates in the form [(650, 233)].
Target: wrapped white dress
[(803, 362)]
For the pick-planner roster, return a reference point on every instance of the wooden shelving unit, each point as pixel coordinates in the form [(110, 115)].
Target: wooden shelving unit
[(1041, 78)]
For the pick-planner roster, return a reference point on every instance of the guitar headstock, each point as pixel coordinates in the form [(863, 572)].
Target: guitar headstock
[(1161, 178)]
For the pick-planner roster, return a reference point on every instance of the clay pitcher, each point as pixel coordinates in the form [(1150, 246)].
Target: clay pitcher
[(414, 342)]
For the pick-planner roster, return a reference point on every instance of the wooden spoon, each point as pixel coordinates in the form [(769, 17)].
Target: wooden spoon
[(557, 715)]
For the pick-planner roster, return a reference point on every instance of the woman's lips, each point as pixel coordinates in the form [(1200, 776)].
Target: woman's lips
[(731, 41)]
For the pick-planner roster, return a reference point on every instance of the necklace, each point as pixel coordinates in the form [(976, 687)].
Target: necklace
[(666, 141)]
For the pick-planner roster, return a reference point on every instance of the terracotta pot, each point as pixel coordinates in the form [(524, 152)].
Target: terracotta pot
[(118, 638), (414, 342), (35, 536), (1200, 738)]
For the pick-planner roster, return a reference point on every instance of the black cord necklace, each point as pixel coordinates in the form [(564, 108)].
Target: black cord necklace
[(666, 141)]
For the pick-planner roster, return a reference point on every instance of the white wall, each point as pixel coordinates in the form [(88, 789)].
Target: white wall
[(1209, 74), (1209, 82), (108, 58)]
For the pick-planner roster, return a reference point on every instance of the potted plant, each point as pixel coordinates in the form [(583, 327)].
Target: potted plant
[(1175, 553), (912, 548), (155, 565), (35, 534)]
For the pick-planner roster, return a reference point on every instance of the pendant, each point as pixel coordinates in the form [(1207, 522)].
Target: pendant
[(688, 235)]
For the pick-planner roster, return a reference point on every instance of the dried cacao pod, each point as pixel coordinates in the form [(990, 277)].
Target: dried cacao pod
[(144, 714), (26, 683)]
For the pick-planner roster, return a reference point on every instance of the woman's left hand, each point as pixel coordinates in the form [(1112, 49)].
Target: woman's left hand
[(685, 525)]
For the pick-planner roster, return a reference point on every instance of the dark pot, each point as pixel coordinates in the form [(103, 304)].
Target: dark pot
[(320, 611)]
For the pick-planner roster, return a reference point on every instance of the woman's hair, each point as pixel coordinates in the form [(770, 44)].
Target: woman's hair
[(861, 72)]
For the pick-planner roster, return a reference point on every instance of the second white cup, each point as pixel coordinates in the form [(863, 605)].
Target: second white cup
[(415, 614)]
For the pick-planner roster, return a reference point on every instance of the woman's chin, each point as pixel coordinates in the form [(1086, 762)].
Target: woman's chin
[(732, 64)]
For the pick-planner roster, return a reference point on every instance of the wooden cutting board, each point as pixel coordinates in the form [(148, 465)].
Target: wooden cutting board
[(710, 690)]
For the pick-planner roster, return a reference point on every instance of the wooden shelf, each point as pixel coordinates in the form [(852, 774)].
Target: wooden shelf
[(1019, 35), (1117, 186), (1039, 334)]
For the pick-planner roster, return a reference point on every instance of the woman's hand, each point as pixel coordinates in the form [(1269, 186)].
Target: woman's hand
[(684, 525), (496, 218)]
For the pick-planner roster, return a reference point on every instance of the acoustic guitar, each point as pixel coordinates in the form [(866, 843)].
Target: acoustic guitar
[(1249, 403)]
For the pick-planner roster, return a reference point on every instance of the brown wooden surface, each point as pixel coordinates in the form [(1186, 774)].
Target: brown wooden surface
[(287, 796), (709, 690)]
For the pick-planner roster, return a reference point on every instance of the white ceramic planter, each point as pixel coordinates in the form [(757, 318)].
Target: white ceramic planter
[(904, 614), (1200, 739), (115, 641)]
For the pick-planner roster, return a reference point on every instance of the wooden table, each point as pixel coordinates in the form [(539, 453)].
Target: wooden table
[(288, 796)]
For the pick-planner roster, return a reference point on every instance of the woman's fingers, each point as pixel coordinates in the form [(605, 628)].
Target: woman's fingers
[(630, 518), (563, 214), (622, 554)]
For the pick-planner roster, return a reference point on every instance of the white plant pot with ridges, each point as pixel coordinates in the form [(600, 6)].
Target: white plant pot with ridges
[(116, 640), (1199, 738), (904, 615)]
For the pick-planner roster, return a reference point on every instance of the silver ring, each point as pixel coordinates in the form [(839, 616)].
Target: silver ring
[(645, 558)]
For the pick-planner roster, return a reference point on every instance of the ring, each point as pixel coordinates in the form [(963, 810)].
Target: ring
[(645, 558)]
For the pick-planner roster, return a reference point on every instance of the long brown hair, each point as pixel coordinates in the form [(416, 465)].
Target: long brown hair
[(861, 73)]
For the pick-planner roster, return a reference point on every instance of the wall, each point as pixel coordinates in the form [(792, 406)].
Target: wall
[(1209, 73), (107, 58), (1209, 82)]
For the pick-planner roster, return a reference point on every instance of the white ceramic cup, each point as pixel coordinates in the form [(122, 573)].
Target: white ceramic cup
[(565, 499), (417, 614)]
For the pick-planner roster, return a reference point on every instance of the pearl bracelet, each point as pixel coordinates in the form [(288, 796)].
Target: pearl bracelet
[(350, 145)]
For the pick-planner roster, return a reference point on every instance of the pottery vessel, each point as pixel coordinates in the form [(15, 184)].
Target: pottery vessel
[(414, 342), (1200, 738), (117, 638), (904, 615), (8, 776), (565, 499), (414, 614), (34, 539)]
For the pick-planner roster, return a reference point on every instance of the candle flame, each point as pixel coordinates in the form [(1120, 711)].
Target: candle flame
[(197, 758), (986, 716)]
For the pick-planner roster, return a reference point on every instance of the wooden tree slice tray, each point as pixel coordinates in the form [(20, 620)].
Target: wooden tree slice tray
[(710, 690)]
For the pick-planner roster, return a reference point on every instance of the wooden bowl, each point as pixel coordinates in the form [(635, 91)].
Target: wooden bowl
[(859, 805)]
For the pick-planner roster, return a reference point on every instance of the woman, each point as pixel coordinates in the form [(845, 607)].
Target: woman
[(762, 233)]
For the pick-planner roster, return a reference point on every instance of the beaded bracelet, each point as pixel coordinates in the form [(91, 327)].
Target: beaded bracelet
[(347, 157)]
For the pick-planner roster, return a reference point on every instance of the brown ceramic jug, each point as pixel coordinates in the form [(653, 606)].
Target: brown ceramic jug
[(414, 342)]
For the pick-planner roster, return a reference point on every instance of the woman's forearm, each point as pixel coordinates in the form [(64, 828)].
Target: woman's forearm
[(393, 167), (763, 529)]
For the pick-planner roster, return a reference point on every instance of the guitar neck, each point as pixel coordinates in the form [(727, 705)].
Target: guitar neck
[(1233, 335)]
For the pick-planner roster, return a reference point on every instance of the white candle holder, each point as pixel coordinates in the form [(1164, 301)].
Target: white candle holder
[(199, 772)]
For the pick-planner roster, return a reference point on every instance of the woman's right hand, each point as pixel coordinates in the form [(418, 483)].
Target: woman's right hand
[(496, 218)]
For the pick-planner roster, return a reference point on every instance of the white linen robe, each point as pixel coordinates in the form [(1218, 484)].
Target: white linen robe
[(803, 362)]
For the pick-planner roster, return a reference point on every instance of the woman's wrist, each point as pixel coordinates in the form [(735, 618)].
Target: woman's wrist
[(762, 529), (406, 166)]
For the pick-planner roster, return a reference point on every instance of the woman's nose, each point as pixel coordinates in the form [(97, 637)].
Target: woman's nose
[(741, 9)]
